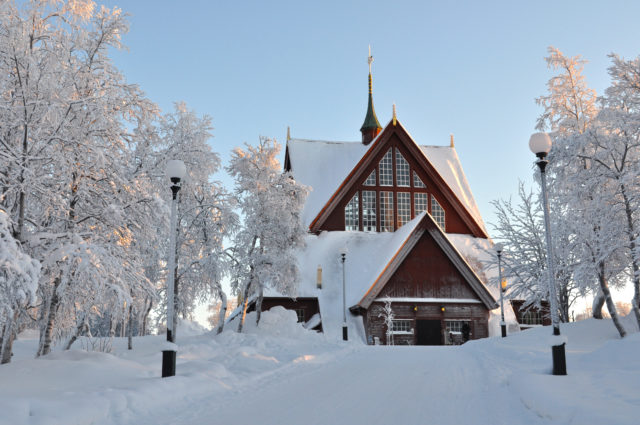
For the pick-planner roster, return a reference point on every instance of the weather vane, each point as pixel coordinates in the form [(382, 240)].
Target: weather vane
[(370, 59)]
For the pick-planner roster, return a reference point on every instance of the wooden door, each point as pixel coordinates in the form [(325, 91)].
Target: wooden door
[(428, 332)]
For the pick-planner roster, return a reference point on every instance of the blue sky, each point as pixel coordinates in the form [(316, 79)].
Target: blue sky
[(464, 67)]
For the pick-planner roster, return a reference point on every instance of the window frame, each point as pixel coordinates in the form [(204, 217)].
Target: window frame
[(389, 207), (347, 226), (406, 210), (406, 324), (366, 219), (440, 215)]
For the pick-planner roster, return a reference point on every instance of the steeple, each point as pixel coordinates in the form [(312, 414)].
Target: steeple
[(371, 127)]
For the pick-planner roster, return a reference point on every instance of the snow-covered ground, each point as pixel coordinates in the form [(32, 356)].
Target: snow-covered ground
[(282, 374)]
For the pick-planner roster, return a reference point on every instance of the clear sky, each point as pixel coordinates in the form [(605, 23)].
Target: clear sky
[(469, 68)]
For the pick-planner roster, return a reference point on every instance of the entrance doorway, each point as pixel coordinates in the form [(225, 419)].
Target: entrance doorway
[(428, 332)]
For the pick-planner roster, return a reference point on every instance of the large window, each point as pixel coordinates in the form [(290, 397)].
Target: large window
[(391, 195), (420, 201), (402, 170), (404, 208), (386, 170), (371, 180), (352, 214), (437, 212), (369, 210), (386, 211)]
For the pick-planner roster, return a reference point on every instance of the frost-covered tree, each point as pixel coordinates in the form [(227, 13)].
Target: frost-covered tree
[(597, 246), (388, 315), (593, 176), (264, 248), (65, 175), (205, 211), (19, 275), (520, 226), (570, 104), (611, 147), (569, 109)]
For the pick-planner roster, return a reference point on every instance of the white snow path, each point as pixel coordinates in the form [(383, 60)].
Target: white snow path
[(372, 385)]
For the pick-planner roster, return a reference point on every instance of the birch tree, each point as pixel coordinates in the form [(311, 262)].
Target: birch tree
[(205, 210), (520, 226), (263, 250), (19, 275), (63, 176)]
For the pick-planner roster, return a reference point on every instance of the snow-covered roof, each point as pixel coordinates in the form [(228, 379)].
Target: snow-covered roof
[(367, 256), (323, 166), (446, 162)]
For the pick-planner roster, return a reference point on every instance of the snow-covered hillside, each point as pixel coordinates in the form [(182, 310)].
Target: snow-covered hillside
[(283, 374)]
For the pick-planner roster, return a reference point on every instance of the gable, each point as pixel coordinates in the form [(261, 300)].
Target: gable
[(427, 273), (461, 217), (434, 265)]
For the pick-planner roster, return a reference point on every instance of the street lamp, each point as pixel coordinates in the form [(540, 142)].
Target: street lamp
[(503, 326), (343, 255), (175, 171), (540, 144)]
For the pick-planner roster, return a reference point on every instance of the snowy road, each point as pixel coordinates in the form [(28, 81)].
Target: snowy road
[(371, 385), (282, 374)]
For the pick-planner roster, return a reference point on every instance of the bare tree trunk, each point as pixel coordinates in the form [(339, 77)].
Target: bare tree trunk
[(598, 303), (223, 311), (21, 199), (604, 286), (130, 328), (245, 302), (112, 326), (83, 327), (42, 314), (9, 334), (563, 302), (2, 330), (259, 304), (145, 317), (635, 305), (51, 319)]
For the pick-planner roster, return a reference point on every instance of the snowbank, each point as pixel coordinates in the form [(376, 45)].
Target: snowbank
[(278, 371)]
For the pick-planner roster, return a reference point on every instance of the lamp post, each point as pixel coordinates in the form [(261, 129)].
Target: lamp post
[(343, 255), (503, 326), (175, 171), (540, 145)]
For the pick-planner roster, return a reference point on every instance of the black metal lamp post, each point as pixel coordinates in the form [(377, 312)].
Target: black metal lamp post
[(343, 255), (540, 144), (175, 171), (503, 325)]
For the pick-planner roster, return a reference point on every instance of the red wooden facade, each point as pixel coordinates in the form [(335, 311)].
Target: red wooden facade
[(336, 220)]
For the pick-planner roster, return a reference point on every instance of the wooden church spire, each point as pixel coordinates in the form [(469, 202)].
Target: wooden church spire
[(371, 127)]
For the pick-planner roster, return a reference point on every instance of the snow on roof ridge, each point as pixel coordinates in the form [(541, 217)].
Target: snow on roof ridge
[(306, 154), (451, 171), (337, 142)]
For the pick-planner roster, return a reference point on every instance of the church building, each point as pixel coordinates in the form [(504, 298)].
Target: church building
[(393, 231)]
